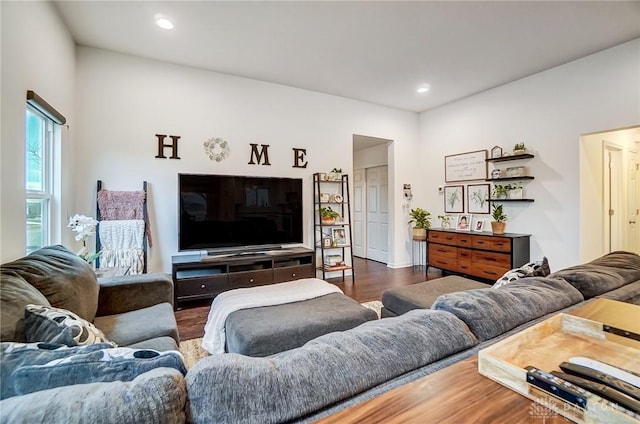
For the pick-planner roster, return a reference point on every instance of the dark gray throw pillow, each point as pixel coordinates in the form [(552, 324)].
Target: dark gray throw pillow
[(28, 368), (56, 325)]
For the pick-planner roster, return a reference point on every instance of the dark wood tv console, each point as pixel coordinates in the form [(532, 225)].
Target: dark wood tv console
[(197, 277)]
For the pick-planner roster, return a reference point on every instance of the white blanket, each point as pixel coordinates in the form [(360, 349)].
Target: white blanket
[(274, 294), (121, 242)]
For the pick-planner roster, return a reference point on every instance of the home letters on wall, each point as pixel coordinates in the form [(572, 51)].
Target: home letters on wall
[(218, 150)]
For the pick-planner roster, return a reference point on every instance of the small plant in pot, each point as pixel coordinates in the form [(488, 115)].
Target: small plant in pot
[(335, 174), (421, 221), (445, 221), (499, 219), (519, 149), (328, 216), (501, 191)]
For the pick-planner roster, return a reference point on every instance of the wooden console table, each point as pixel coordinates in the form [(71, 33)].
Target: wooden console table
[(459, 394)]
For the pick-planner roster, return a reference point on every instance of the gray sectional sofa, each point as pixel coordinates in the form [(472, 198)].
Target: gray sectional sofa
[(87, 386), (341, 369), (327, 374)]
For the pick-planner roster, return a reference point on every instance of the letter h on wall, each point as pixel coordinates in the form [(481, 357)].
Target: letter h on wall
[(173, 146)]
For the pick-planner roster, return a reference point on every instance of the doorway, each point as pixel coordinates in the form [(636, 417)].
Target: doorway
[(371, 198), (609, 192)]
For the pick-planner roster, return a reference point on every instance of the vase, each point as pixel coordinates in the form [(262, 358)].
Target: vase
[(419, 233), (497, 227), (516, 193)]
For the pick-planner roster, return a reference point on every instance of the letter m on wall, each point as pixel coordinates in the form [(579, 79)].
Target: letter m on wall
[(261, 156)]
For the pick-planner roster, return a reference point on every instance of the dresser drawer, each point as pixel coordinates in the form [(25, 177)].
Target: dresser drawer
[(443, 237), (292, 273), (250, 278), (464, 254), (465, 267), (479, 257), (202, 286), (488, 271), (443, 262), (465, 240), (501, 244), (443, 250)]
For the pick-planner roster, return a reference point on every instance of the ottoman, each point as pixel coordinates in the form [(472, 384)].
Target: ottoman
[(422, 295), (266, 330)]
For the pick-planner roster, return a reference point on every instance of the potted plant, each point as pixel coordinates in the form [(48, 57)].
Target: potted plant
[(335, 174), (445, 221), (515, 191), (519, 149), (501, 191), (328, 216), (421, 221), (499, 219)]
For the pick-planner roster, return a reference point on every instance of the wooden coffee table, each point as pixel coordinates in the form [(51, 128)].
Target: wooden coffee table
[(459, 394)]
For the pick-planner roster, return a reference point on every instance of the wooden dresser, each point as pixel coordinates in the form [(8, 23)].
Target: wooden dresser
[(483, 255)]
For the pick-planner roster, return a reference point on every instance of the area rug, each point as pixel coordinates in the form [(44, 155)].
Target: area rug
[(192, 349)]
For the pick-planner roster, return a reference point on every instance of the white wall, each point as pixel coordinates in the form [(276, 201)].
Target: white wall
[(122, 101), (548, 111), (37, 54)]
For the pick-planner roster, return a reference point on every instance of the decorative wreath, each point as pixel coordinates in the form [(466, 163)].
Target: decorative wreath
[(217, 149)]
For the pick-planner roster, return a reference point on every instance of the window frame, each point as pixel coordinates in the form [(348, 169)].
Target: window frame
[(44, 195)]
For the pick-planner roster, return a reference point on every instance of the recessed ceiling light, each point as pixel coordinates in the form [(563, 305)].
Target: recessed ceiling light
[(164, 23), (423, 88)]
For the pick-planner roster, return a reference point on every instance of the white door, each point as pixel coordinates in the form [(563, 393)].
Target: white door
[(613, 199), (377, 214), (633, 204), (359, 203)]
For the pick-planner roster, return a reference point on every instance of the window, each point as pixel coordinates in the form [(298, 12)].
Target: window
[(38, 175)]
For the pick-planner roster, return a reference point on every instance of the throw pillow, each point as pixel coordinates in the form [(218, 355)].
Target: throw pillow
[(28, 368), (55, 325), (532, 269)]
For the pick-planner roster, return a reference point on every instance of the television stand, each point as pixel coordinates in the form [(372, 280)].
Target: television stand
[(197, 277)]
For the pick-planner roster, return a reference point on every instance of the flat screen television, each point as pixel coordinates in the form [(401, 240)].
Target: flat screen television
[(226, 212)]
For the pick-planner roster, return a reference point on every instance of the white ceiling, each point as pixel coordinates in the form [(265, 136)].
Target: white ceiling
[(374, 51)]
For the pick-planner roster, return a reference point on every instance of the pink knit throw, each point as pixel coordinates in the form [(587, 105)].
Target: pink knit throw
[(123, 205)]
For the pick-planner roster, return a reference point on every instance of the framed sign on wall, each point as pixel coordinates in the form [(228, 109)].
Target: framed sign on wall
[(465, 166)]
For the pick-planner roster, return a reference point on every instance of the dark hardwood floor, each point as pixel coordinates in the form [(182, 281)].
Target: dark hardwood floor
[(372, 278)]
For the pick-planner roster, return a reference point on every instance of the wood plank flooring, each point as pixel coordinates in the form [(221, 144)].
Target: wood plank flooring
[(372, 278)]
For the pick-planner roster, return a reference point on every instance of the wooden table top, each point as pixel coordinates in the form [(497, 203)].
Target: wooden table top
[(459, 394)]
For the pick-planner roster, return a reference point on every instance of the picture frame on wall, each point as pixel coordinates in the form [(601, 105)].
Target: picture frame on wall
[(467, 166), (463, 223), (478, 198), (454, 199)]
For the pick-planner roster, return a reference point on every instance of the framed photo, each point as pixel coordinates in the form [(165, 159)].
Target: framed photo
[(454, 199), (478, 198), (465, 166), (463, 223), (496, 152), (326, 242), (478, 225), (339, 236)]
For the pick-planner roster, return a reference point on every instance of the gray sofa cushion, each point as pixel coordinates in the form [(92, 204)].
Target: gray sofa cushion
[(57, 325), (422, 295), (161, 344), (231, 388), (491, 312), (29, 368), (136, 326), (157, 396), (62, 277), (629, 293), (271, 329), (15, 295), (603, 274)]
